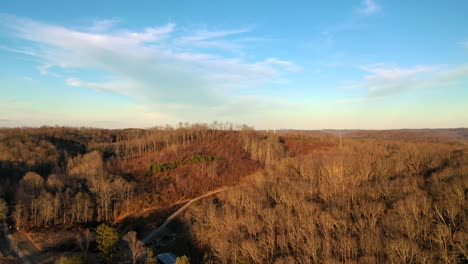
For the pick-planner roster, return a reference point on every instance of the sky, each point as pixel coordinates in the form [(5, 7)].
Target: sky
[(355, 64)]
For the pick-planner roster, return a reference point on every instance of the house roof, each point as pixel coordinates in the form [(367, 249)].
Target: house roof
[(167, 258)]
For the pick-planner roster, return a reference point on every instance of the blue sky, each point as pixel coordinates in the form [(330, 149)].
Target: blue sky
[(370, 64)]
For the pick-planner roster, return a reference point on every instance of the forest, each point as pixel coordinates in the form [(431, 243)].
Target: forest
[(287, 196), (367, 202)]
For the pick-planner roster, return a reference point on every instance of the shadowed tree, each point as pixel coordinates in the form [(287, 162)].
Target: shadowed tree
[(83, 239), (32, 183)]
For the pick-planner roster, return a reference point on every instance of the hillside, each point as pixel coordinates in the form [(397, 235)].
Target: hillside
[(289, 196)]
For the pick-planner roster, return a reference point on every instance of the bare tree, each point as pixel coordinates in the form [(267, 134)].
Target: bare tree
[(3, 210), (32, 183), (136, 246), (83, 239)]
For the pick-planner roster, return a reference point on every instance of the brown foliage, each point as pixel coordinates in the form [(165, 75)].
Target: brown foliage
[(308, 199), (371, 201)]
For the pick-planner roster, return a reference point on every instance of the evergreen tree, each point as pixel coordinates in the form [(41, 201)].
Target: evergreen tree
[(106, 238), (150, 256), (182, 260)]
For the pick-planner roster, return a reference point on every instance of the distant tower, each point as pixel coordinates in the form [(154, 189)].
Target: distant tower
[(341, 140)]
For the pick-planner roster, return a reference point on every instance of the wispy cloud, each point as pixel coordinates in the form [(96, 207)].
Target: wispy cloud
[(14, 114), (44, 69), (150, 34), (24, 51), (356, 100), (125, 87), (286, 64), (228, 40), (369, 7), (207, 34), (383, 81), (156, 64), (465, 44), (101, 25), (76, 82)]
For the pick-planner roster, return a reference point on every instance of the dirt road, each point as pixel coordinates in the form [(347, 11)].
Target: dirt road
[(159, 230), (23, 247)]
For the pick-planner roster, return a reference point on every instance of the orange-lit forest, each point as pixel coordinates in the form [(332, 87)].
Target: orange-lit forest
[(284, 197), (367, 202)]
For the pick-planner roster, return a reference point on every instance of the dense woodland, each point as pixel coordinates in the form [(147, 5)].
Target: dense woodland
[(292, 196), (369, 201)]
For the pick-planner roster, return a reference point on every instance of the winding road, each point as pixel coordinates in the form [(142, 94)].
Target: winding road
[(153, 234)]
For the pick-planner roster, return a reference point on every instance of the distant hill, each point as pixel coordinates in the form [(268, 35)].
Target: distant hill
[(446, 135), (438, 135)]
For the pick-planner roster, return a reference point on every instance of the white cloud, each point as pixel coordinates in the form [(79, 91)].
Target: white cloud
[(369, 7), (155, 65)]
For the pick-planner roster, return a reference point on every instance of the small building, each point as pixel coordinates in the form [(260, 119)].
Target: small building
[(167, 258)]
